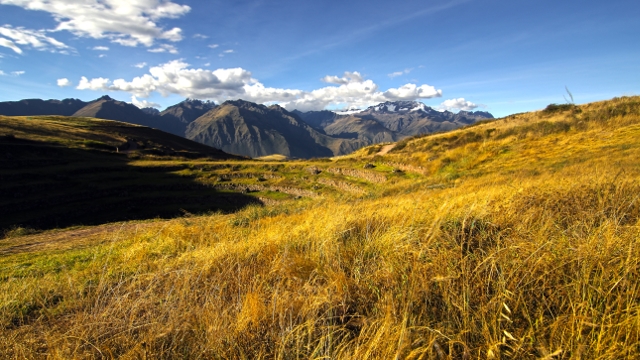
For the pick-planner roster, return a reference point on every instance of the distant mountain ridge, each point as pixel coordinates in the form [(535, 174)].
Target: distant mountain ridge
[(250, 129), (390, 121), (173, 120), (32, 107)]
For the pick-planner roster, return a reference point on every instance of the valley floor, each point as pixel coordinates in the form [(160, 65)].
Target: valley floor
[(517, 238)]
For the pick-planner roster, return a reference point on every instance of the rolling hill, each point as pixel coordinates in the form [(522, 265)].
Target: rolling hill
[(62, 171)]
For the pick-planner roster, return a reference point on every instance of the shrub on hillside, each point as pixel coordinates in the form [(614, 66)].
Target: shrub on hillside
[(557, 108)]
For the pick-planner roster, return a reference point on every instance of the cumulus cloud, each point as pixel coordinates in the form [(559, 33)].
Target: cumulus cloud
[(127, 22), (143, 103), (178, 77), (93, 84), (457, 104), (140, 65), (200, 36), (230, 51), (213, 46), (412, 92), (64, 82), (174, 34), (100, 48), (15, 38)]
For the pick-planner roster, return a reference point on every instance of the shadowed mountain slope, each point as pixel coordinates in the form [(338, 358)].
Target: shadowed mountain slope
[(108, 108), (31, 107), (187, 110), (246, 128)]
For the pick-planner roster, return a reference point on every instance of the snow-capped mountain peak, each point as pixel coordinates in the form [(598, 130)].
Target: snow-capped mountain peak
[(399, 107)]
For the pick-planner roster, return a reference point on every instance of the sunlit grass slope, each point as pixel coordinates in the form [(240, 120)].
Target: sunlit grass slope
[(516, 238)]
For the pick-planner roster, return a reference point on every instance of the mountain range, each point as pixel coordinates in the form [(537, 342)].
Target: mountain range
[(255, 130)]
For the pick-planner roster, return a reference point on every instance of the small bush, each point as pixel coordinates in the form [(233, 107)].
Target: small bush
[(399, 146), (18, 231), (556, 108)]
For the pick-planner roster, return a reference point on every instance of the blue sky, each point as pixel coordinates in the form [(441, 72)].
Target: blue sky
[(491, 55)]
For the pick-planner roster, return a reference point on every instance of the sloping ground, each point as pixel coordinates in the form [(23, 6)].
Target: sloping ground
[(517, 238), (58, 171), (103, 135)]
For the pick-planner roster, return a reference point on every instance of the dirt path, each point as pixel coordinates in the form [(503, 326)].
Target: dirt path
[(385, 149), (65, 239)]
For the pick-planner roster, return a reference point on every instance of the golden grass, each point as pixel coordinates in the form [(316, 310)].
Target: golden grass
[(275, 157), (526, 248)]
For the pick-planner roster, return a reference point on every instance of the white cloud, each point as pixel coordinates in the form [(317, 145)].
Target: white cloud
[(102, 55), (457, 104), (100, 48), (177, 77), (13, 73), (213, 46), (400, 73), (94, 84), (174, 34), (127, 22), (164, 48), (412, 92), (10, 44), (200, 36), (228, 51), (207, 64), (140, 65), (14, 38), (64, 82), (347, 78), (143, 103)]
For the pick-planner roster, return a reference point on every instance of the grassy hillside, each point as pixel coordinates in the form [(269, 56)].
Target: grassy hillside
[(516, 238), (59, 171)]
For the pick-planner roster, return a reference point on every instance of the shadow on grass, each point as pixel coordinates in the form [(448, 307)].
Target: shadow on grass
[(44, 186)]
